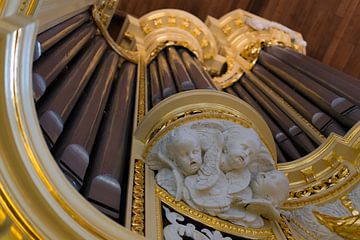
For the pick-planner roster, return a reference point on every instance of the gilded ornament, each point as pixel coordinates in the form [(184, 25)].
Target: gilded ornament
[(346, 227), (185, 23), (309, 174), (204, 43), (284, 225), (324, 185), (227, 30), (111, 4), (131, 56), (171, 21), (218, 224), (196, 32), (138, 204), (239, 22), (333, 159), (142, 93), (145, 28), (158, 22)]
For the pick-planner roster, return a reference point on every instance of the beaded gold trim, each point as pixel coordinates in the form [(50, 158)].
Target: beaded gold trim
[(218, 224), (138, 204)]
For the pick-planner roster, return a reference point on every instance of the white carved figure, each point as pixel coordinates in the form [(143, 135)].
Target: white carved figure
[(261, 24), (221, 169)]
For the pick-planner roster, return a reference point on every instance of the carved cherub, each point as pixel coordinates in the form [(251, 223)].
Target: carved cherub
[(220, 169), (176, 156), (243, 155)]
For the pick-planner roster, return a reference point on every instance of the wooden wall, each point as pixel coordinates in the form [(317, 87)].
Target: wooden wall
[(331, 27)]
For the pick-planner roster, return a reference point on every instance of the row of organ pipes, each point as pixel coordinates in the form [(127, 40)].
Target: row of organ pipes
[(85, 95)]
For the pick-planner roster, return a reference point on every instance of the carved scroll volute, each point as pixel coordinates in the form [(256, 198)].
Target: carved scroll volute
[(212, 136)]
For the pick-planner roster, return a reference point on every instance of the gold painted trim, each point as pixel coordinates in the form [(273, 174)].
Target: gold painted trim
[(351, 139), (138, 194), (159, 219), (200, 114), (28, 7), (218, 224), (131, 56), (138, 203), (56, 211), (142, 91), (196, 102), (284, 225), (331, 194)]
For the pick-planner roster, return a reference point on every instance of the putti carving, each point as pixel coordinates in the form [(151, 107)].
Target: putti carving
[(221, 169)]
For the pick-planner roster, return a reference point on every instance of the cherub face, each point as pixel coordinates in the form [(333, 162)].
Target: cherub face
[(272, 186), (188, 156), (237, 156)]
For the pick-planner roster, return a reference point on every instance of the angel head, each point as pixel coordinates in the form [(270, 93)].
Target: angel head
[(272, 186), (184, 149), (240, 145)]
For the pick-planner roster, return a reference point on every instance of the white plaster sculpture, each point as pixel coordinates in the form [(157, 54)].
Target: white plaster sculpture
[(176, 231), (262, 24), (221, 169)]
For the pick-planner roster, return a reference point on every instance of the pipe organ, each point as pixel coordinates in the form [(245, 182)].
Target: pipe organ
[(96, 122)]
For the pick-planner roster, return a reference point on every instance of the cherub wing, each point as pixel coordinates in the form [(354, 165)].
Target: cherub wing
[(166, 179), (212, 141), (263, 207), (262, 161), (157, 161)]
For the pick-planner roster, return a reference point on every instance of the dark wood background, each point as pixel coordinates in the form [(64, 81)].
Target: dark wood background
[(331, 27)]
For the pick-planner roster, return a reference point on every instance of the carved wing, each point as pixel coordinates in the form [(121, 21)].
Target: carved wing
[(157, 161), (212, 141), (263, 208)]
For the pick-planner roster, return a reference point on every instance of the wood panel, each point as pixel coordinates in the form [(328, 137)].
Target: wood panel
[(331, 27), (200, 8)]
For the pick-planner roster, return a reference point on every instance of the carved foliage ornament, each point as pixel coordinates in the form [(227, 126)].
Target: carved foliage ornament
[(222, 169), (176, 230)]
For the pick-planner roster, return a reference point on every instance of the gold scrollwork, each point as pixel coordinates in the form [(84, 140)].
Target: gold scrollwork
[(218, 224), (284, 225), (346, 227), (138, 200), (142, 94), (338, 177), (138, 204), (233, 74), (131, 56)]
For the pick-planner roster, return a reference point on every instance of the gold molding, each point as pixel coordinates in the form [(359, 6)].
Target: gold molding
[(335, 166), (241, 44), (131, 56), (216, 223), (138, 203), (142, 91), (233, 73), (56, 210), (28, 7), (199, 104), (196, 115), (284, 225), (173, 25)]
